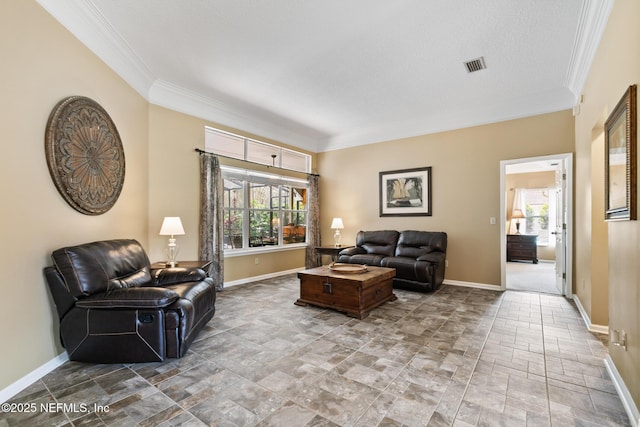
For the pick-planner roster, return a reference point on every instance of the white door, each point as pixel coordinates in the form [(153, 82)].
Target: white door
[(563, 215), (561, 226)]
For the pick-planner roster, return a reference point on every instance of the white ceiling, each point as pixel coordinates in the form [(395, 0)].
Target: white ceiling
[(329, 74)]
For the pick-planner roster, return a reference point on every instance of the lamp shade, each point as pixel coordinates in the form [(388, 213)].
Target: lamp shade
[(171, 226), (337, 223), (517, 213)]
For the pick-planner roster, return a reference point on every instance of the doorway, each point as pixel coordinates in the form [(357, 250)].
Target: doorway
[(536, 224)]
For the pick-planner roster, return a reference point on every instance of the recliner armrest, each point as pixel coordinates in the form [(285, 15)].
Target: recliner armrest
[(171, 276), (143, 297), (435, 257)]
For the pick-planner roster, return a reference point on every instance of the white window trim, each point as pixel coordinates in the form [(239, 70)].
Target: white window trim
[(230, 253)]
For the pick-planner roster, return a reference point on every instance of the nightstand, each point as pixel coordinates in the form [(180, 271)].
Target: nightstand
[(522, 247)]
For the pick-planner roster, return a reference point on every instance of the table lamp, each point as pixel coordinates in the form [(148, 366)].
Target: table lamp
[(337, 225), (517, 214), (172, 226)]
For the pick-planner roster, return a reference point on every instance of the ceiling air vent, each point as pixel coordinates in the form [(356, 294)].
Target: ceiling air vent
[(475, 65)]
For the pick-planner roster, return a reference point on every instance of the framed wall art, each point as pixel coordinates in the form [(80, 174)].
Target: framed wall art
[(84, 155), (620, 159), (405, 192)]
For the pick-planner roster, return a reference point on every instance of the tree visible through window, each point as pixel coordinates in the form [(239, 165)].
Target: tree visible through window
[(263, 211)]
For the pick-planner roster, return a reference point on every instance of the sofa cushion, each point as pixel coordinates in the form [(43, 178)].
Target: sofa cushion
[(102, 266), (413, 244), (378, 242)]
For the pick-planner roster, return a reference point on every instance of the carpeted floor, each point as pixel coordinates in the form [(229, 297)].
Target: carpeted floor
[(455, 357), (526, 276)]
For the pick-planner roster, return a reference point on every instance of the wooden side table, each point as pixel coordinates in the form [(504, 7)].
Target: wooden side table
[(332, 251), (185, 264)]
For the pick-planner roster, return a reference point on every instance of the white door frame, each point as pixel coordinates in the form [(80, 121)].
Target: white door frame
[(566, 160)]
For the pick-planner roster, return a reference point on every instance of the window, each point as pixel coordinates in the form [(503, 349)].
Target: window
[(263, 210), (540, 218), (238, 147)]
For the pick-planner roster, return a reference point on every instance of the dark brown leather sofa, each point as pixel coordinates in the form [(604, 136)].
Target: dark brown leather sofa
[(418, 256), (114, 309)]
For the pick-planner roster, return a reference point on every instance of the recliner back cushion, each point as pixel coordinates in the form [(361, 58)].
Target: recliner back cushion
[(102, 266), (378, 242), (413, 243)]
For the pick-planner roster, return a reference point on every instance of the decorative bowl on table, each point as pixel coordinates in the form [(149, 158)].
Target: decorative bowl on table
[(347, 268)]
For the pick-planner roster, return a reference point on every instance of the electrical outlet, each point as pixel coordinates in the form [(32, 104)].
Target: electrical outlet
[(446, 263), (492, 220), (256, 260)]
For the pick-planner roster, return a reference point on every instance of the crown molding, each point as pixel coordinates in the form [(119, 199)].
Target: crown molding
[(591, 26), (173, 97), (450, 120), (83, 19)]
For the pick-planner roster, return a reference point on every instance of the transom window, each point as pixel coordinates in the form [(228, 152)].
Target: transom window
[(238, 147), (263, 210)]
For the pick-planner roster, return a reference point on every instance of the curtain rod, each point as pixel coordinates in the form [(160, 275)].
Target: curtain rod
[(199, 151)]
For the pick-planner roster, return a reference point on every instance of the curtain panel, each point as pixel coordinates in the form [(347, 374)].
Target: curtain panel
[(313, 226), (212, 217), (518, 203)]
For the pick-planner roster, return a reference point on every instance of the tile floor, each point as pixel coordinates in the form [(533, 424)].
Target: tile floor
[(458, 356)]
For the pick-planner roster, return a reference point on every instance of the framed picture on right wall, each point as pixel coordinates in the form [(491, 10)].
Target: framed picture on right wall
[(620, 141)]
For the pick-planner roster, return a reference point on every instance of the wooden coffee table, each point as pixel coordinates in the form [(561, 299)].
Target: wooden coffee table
[(354, 294)]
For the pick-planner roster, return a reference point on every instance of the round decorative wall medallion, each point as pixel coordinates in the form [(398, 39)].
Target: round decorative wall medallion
[(84, 154)]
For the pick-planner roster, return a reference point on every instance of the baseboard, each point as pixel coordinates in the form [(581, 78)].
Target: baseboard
[(24, 382), (598, 329), (262, 277), (625, 396), (472, 285)]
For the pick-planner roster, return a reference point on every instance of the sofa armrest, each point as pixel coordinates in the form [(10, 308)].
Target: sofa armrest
[(143, 297), (433, 257), (171, 276)]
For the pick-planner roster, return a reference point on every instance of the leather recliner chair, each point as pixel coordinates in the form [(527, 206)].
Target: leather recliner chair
[(114, 308)]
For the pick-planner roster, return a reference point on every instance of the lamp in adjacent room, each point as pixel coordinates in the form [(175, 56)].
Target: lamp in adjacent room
[(172, 226), (337, 225), (517, 214)]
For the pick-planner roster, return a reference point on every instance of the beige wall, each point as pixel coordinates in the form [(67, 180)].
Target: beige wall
[(42, 63), (174, 182), (466, 185), (597, 300), (615, 67), (530, 180)]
